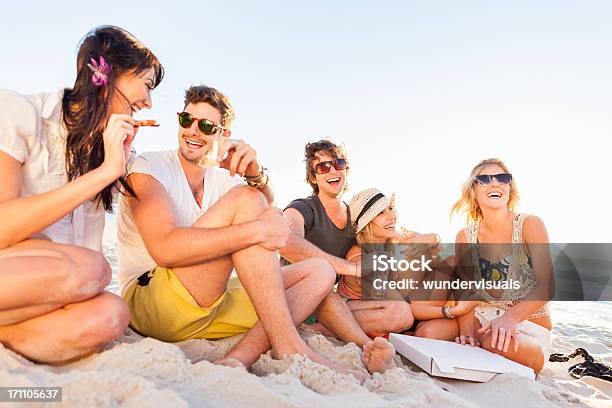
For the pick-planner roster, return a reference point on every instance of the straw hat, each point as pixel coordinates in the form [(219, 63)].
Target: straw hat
[(366, 205)]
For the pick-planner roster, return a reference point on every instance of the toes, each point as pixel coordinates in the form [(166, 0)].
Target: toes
[(380, 342), (383, 343), (230, 362)]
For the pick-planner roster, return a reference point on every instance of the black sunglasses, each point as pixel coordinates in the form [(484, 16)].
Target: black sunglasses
[(206, 126), (325, 167), (486, 179)]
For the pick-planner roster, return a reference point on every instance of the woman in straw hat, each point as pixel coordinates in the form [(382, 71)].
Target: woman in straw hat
[(375, 220)]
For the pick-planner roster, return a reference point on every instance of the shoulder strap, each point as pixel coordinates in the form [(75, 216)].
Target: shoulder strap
[(517, 228), (471, 232)]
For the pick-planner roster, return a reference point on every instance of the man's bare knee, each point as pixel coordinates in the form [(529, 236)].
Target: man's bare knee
[(250, 202), (322, 273)]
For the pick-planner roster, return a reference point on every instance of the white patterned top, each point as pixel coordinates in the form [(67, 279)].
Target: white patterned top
[(520, 268)]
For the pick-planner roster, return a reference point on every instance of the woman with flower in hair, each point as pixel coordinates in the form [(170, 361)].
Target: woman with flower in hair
[(63, 156), (501, 245)]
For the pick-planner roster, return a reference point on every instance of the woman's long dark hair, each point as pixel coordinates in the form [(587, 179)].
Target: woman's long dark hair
[(85, 107)]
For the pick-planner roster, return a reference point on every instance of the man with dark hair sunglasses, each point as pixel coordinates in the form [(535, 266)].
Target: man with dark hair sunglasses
[(321, 228)]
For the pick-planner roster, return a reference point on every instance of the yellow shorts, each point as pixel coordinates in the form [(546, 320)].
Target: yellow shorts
[(161, 307)]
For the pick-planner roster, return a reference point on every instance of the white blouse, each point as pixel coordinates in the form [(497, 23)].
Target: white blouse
[(32, 132)]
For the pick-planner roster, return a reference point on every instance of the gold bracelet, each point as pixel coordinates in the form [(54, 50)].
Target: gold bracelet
[(259, 181)]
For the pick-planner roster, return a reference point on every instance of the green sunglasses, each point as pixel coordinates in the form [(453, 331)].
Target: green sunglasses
[(206, 126)]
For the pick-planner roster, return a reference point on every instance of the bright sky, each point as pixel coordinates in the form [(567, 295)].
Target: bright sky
[(419, 92)]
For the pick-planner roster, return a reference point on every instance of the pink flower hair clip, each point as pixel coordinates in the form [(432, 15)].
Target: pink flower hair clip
[(100, 71)]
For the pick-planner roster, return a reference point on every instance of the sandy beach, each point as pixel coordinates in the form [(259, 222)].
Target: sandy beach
[(141, 372), (464, 141)]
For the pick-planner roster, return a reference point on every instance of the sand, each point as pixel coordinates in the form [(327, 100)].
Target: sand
[(143, 372)]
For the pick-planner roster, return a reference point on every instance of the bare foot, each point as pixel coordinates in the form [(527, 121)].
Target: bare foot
[(246, 356), (230, 362), (378, 355)]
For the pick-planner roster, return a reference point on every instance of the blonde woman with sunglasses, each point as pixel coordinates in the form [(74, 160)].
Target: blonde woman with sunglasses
[(498, 245)]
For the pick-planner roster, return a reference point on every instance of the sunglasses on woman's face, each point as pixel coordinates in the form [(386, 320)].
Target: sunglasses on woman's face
[(486, 179), (206, 126), (325, 167)]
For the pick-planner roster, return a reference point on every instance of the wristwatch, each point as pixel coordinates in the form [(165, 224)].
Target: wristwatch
[(259, 181)]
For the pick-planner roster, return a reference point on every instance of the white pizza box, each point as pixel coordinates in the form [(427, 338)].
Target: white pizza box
[(447, 359)]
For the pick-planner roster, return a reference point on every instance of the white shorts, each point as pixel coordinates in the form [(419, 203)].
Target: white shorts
[(540, 334)]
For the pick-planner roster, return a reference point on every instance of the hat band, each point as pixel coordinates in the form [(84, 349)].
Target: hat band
[(368, 205)]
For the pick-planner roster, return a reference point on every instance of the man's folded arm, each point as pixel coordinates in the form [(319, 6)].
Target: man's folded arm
[(172, 246)]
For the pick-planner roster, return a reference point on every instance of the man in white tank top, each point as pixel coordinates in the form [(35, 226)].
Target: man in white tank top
[(190, 227)]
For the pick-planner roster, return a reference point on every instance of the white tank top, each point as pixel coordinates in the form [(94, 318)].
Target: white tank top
[(519, 270)]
